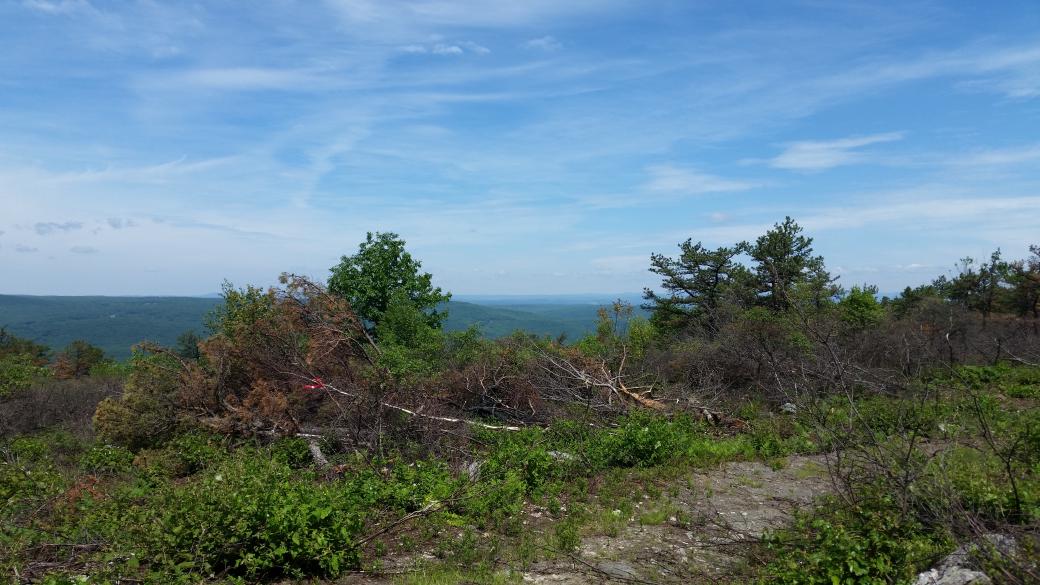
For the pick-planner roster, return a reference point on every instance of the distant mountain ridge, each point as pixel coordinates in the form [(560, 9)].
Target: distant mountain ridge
[(116, 323)]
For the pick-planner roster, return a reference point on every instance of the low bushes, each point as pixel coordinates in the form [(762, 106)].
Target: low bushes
[(872, 543), (251, 516), (920, 473)]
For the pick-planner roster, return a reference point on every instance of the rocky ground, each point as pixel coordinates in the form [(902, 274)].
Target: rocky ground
[(715, 513), (696, 531)]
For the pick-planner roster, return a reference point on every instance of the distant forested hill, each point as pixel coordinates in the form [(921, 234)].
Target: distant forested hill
[(116, 323), (111, 323)]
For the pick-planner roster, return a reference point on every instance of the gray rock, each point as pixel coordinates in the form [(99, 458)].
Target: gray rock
[(989, 544), (961, 567), (789, 407), (953, 576)]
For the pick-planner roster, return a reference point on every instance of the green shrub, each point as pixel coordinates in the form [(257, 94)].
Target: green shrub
[(251, 516), (182, 456), (23, 482), (980, 480), (497, 501), (111, 369), (527, 454), (412, 487), (1023, 390), (874, 543), (144, 416), (292, 451), (107, 459), (780, 437), (641, 441), (568, 535), (18, 371)]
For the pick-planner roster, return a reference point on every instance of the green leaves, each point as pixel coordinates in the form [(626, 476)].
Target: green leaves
[(18, 371), (381, 270), (698, 282), (873, 543), (860, 308), (253, 516)]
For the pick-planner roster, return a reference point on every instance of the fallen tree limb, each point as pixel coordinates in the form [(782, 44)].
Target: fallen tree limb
[(427, 509), (418, 414)]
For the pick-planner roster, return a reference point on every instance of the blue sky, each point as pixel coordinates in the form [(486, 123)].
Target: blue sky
[(519, 147)]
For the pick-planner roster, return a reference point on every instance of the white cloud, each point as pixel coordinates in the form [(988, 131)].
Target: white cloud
[(155, 173), (49, 227), (999, 157), (64, 7), (441, 48), (939, 207), (680, 181), (242, 79), (446, 50), (118, 223), (812, 155), (406, 15), (25, 249), (546, 43), (476, 48), (83, 250)]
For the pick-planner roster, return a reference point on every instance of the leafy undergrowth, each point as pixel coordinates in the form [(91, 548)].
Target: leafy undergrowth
[(985, 476), (201, 509)]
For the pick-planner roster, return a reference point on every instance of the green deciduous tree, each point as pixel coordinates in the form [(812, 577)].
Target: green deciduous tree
[(409, 344), (241, 309), (860, 308), (381, 270)]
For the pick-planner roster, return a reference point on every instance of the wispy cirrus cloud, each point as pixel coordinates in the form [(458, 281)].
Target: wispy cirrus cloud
[(249, 144), (670, 179), (63, 7), (241, 79), (818, 155), (412, 14), (998, 157)]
